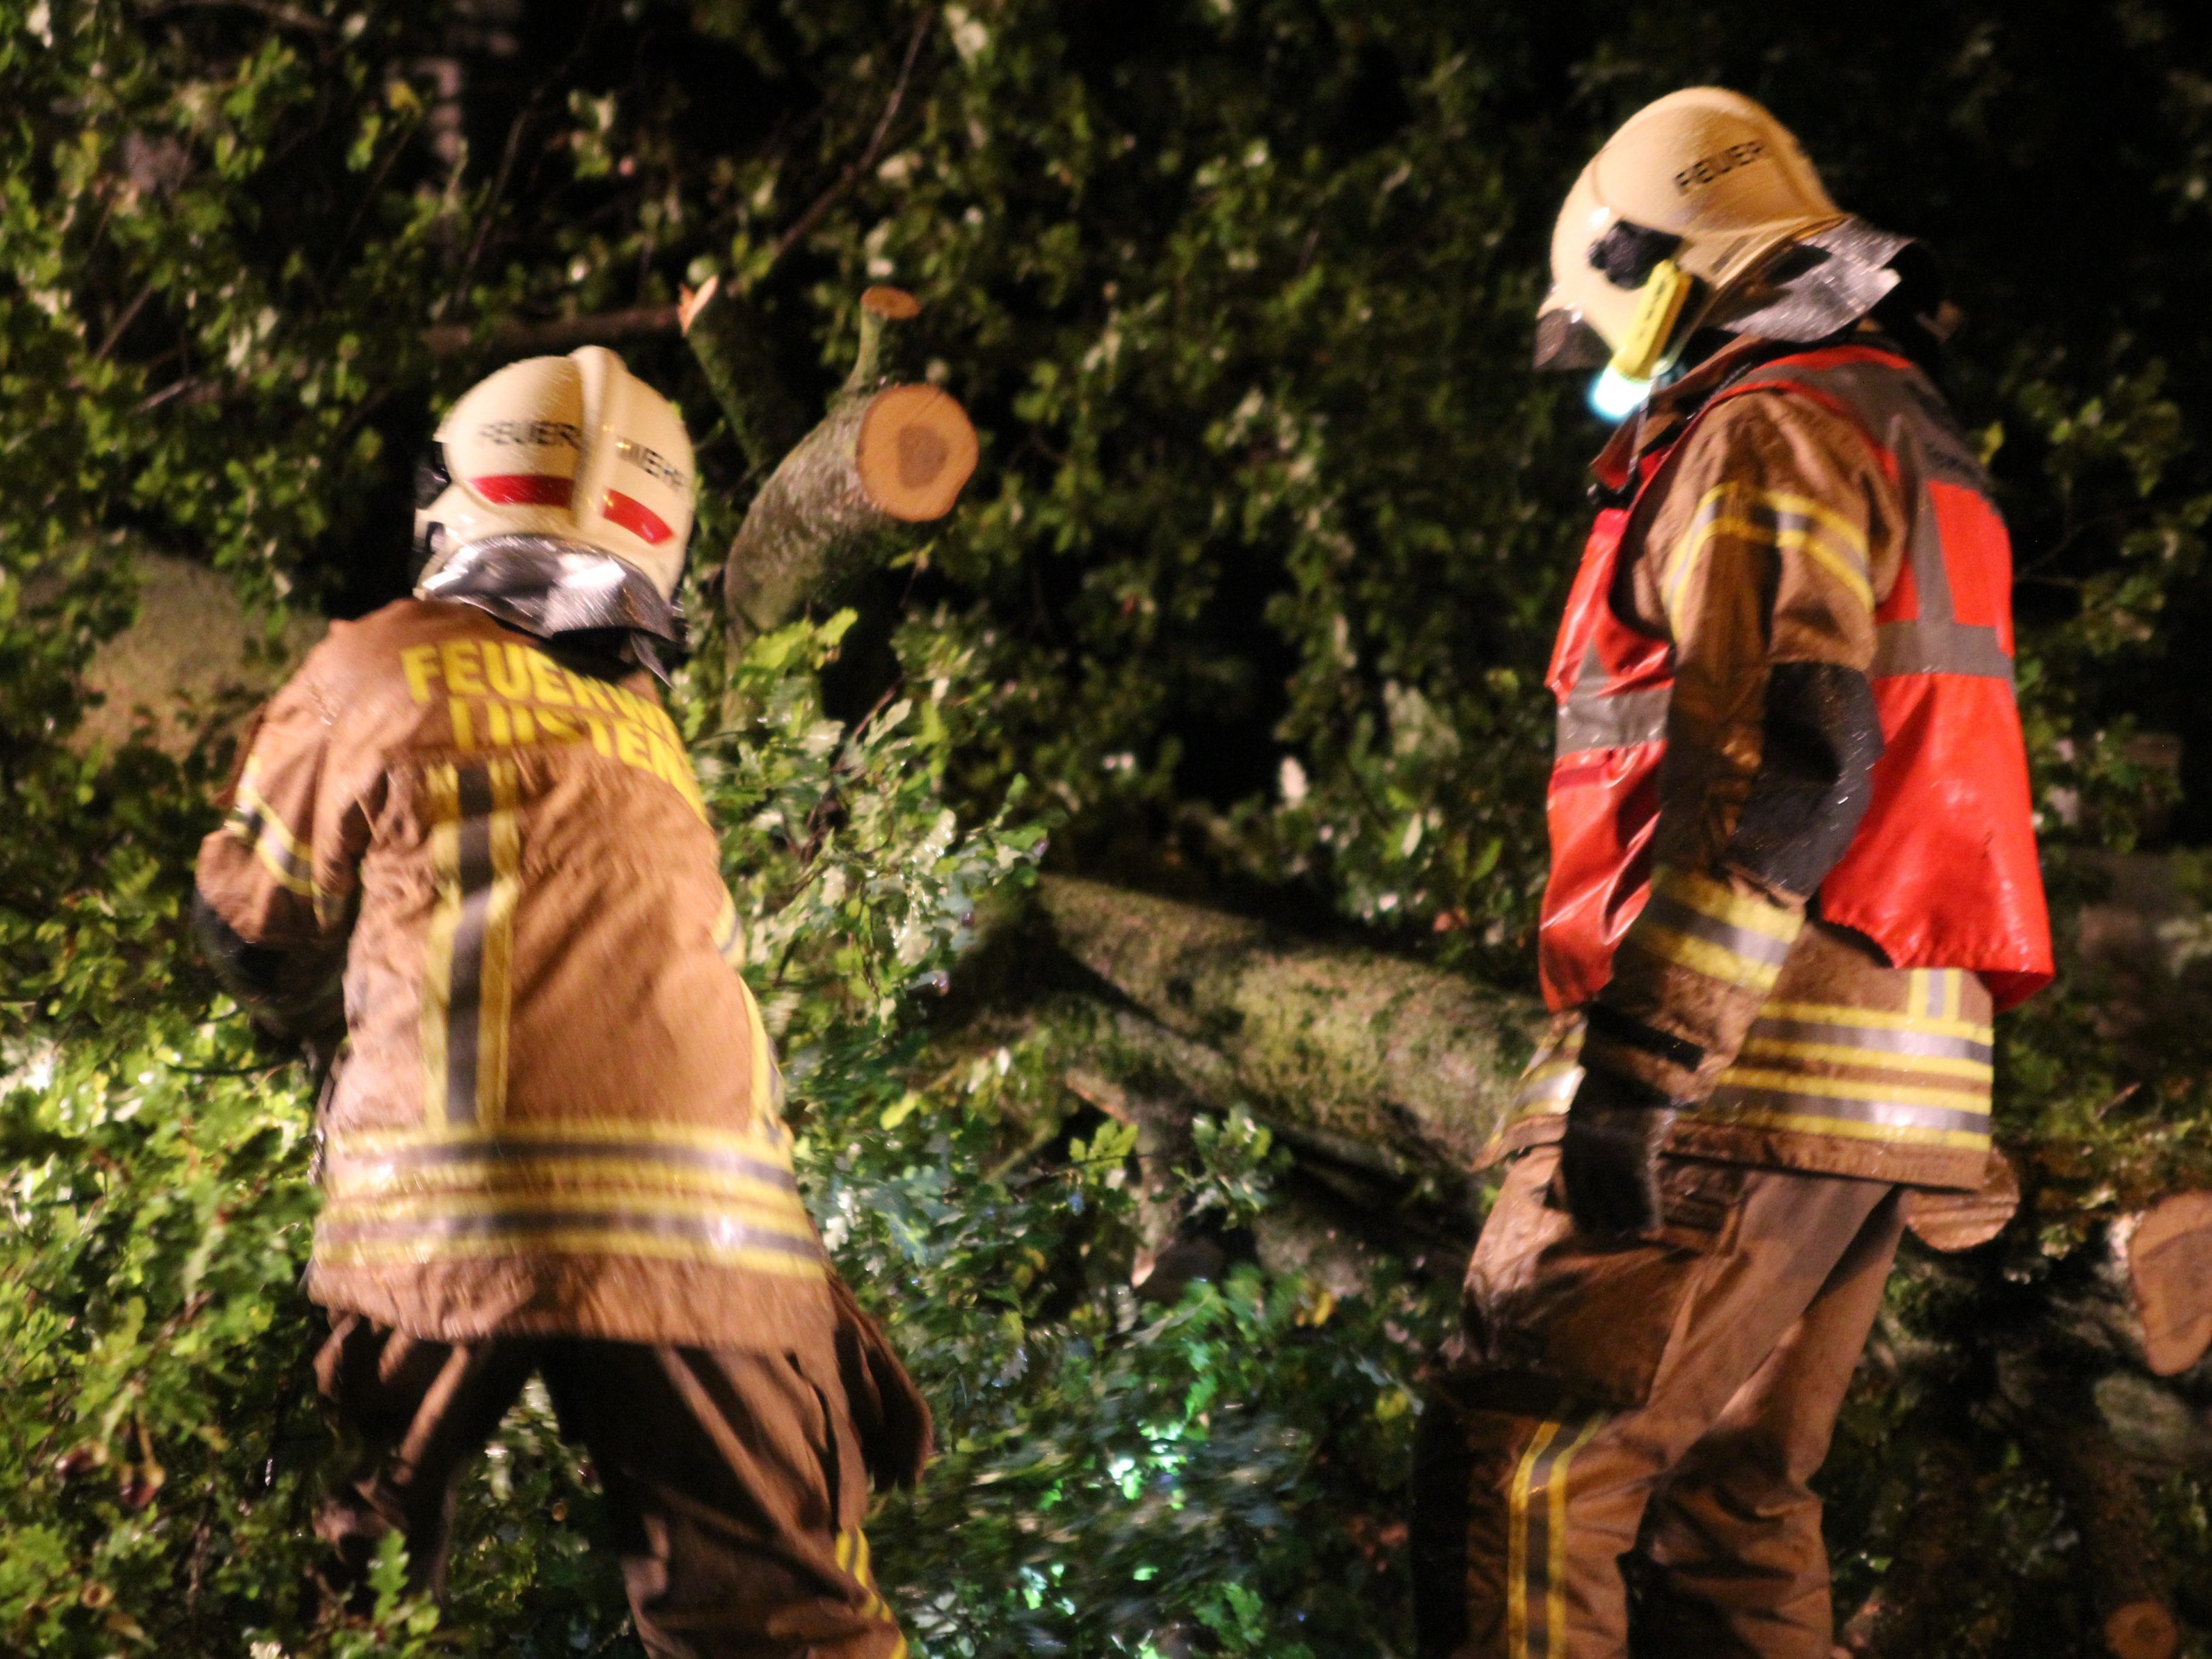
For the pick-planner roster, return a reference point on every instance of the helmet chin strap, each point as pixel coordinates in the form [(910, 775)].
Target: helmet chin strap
[(550, 587)]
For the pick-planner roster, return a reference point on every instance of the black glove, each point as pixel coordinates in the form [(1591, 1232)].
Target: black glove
[(890, 1415), (1609, 1157)]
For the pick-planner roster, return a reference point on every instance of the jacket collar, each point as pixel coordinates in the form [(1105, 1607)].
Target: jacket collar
[(1670, 408)]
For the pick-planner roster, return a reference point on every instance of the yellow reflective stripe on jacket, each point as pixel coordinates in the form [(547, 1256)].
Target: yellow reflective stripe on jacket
[(731, 1249), (670, 1192), (1703, 957), (764, 1212), (475, 856), (569, 1155), (1821, 1123), (1921, 1077), (1722, 903), (289, 861), (586, 1168), (263, 829), (1785, 521), (1836, 1053), (1837, 1088), (1690, 552), (1875, 1019), (1839, 546), (1706, 927), (705, 1138)]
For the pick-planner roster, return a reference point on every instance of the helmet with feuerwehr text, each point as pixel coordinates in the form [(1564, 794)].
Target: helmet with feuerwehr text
[(570, 453), (1681, 211)]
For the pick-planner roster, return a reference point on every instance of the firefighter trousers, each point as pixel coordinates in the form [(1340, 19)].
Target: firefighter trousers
[(1618, 1458), (733, 1481)]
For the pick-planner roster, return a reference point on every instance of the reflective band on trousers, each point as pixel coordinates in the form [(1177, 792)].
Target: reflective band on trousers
[(1536, 1539), (852, 1552)]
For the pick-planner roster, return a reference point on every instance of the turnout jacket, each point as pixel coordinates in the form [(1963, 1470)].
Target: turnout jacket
[(1794, 867), (557, 1110)]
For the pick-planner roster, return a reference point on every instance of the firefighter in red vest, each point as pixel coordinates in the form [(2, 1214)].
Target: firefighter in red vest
[(1793, 876)]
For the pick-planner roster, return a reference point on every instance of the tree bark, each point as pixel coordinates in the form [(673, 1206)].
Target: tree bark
[(2130, 1581), (1377, 1070), (729, 339), (1380, 1057), (1899, 1619)]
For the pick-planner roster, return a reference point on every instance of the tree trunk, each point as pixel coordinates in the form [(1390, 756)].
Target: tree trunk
[(886, 458), (1377, 1070), (729, 338), (2130, 1584), (1899, 1619), (1378, 1057)]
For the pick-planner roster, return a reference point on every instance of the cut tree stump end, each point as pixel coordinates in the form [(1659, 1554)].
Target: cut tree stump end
[(1960, 1221), (916, 448), (895, 303), (2169, 1257), (2142, 1629)]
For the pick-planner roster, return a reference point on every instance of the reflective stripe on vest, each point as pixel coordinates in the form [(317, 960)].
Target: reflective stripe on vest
[(1943, 872)]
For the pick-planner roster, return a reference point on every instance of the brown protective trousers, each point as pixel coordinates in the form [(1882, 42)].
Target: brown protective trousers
[(733, 1480), (1646, 1413)]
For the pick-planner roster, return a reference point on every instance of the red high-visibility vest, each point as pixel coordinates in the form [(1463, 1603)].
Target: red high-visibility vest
[(1942, 872)]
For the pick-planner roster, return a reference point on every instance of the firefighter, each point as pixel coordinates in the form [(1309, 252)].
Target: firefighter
[(552, 1141), (1794, 875)]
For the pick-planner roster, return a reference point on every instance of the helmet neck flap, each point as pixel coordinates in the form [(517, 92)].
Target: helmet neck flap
[(553, 588)]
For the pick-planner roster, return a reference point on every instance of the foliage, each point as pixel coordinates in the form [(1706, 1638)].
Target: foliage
[(1252, 592)]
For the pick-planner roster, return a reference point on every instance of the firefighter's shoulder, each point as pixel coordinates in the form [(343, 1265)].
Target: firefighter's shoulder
[(365, 651)]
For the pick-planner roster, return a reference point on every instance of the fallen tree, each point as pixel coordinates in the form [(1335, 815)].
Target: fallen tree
[(1385, 1076)]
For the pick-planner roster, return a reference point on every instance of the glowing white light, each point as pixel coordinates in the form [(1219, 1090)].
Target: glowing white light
[(1616, 397)]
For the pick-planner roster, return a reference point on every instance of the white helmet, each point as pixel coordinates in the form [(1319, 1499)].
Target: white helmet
[(573, 452), (1687, 203)]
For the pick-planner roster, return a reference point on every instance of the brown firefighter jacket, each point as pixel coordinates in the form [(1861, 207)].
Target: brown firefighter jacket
[(1790, 1042), (557, 1110)]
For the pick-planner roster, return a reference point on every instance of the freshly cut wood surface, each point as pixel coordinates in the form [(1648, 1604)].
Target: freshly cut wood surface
[(2169, 1257), (2142, 1629), (916, 449), (895, 303), (885, 455), (1960, 1221)]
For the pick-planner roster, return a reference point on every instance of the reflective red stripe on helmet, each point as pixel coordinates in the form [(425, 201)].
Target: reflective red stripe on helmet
[(635, 516), (524, 488)]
